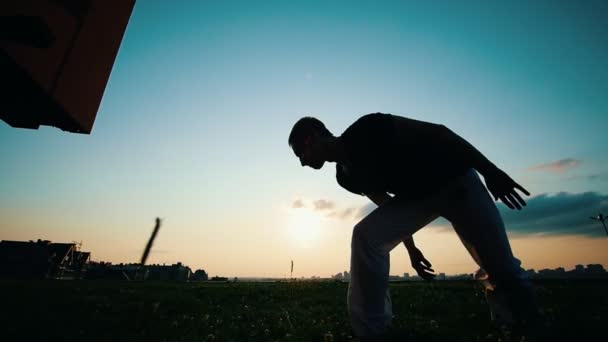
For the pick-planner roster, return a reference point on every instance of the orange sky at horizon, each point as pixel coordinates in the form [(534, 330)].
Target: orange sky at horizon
[(266, 249)]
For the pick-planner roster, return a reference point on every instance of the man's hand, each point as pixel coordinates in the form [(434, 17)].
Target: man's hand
[(502, 186), (420, 264)]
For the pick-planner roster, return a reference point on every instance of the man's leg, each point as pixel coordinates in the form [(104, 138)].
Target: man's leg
[(481, 229), (373, 238)]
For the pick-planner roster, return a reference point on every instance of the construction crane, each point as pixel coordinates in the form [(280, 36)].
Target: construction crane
[(602, 219)]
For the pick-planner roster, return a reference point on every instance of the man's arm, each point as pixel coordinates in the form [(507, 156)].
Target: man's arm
[(417, 259), (498, 182), (409, 242), (426, 133), (379, 198)]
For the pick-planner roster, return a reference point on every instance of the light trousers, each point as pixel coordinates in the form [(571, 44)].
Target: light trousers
[(468, 206)]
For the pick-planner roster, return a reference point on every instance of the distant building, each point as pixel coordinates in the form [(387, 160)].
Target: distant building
[(344, 276), (595, 269), (558, 273), (406, 276), (41, 259), (199, 275), (108, 271), (440, 276), (175, 272), (464, 276)]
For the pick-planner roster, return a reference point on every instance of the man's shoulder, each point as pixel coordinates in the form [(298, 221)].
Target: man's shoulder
[(374, 117), (368, 123)]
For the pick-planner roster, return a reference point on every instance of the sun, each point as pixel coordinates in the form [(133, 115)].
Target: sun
[(304, 226)]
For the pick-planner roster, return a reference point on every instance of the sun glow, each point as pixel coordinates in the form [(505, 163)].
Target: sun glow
[(304, 226)]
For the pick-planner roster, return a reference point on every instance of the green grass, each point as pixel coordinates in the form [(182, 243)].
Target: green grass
[(301, 311)]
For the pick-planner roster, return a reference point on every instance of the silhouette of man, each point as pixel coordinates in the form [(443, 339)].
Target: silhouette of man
[(430, 172)]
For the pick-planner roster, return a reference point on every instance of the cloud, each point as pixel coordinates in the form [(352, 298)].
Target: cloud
[(322, 204), (600, 176), (558, 214), (562, 213), (342, 214), (297, 204), (346, 213), (559, 166)]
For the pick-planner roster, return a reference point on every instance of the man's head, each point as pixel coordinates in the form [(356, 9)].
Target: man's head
[(308, 139)]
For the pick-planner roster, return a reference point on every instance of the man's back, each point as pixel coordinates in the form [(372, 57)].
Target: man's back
[(388, 153)]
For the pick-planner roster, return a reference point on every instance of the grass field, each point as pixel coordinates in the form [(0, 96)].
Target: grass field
[(299, 311)]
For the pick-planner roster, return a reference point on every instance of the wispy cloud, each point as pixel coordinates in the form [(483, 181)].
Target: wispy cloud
[(346, 213), (559, 214), (559, 166), (342, 214), (326, 207), (600, 176), (316, 205), (322, 204), (297, 204)]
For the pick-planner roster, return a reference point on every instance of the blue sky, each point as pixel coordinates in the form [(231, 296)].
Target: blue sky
[(194, 122)]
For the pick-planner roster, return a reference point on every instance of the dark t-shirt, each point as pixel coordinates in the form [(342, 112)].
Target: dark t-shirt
[(379, 160)]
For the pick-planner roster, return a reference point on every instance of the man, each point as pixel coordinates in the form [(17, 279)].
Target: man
[(430, 171)]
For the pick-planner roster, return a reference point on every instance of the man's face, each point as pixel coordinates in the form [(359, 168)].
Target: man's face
[(309, 152)]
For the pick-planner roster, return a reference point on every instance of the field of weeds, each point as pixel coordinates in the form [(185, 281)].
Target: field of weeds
[(292, 311)]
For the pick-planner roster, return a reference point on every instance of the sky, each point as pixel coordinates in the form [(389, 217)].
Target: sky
[(194, 122)]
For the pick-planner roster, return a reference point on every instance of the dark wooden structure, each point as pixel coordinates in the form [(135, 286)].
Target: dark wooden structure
[(55, 60), (41, 259)]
